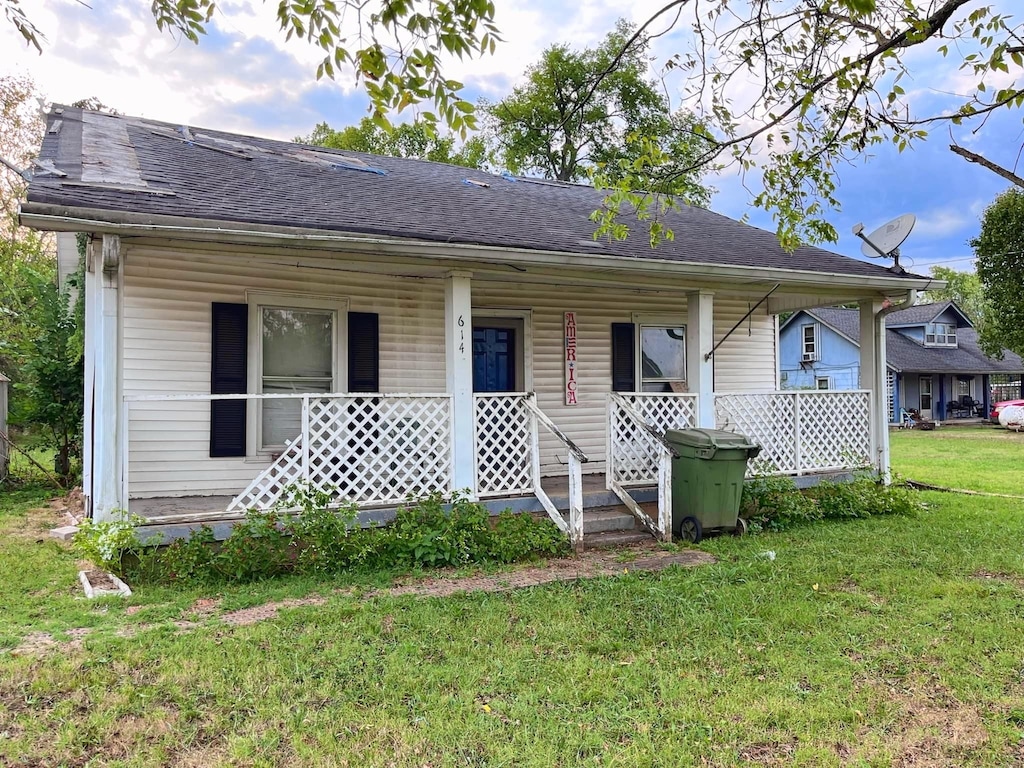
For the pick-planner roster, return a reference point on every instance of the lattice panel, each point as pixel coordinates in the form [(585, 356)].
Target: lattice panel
[(769, 420), (367, 450), (665, 412), (504, 445), (890, 395), (835, 430), (634, 452)]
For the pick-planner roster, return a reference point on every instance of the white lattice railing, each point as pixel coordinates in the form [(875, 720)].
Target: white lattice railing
[(633, 454), (370, 449), (801, 431), (504, 444), (367, 449), (508, 456), (637, 452)]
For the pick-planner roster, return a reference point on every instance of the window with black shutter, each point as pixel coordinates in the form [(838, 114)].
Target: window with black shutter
[(363, 352), (623, 357)]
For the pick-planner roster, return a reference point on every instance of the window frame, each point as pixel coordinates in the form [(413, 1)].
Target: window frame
[(259, 300), (641, 321), (945, 331), (815, 354), (819, 379)]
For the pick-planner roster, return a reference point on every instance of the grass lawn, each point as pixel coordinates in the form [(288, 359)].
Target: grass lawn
[(877, 642), (983, 458)]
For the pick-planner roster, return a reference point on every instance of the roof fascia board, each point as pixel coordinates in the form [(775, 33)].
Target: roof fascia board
[(62, 219)]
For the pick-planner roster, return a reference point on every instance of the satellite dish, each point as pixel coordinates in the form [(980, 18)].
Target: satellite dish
[(885, 242)]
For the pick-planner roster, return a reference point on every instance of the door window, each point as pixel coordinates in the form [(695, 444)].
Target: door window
[(926, 393), (494, 359)]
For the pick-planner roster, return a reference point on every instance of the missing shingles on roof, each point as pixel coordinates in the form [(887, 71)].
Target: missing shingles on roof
[(339, 162), (475, 183), (545, 183)]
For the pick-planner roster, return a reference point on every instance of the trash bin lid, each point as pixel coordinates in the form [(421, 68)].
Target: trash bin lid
[(708, 438)]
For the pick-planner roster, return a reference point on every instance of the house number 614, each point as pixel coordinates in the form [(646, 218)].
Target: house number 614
[(462, 333)]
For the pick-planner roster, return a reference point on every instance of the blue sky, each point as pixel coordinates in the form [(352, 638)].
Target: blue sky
[(244, 77)]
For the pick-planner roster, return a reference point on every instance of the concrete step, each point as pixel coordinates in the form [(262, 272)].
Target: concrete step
[(605, 519), (613, 539)]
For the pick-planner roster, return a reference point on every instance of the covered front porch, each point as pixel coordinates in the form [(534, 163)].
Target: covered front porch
[(545, 390), (379, 450)]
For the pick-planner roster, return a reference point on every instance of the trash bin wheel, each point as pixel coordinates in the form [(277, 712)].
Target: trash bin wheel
[(690, 529), (741, 527)]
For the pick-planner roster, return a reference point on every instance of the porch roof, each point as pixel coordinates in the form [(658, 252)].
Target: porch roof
[(110, 165)]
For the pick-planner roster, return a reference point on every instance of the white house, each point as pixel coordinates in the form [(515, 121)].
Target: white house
[(261, 314)]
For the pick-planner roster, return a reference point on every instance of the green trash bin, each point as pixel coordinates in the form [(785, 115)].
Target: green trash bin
[(707, 480)]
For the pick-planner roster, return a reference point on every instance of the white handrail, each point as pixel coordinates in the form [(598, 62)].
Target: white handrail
[(663, 527), (576, 459)]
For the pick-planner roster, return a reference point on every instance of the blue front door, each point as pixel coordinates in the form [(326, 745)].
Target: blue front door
[(494, 359)]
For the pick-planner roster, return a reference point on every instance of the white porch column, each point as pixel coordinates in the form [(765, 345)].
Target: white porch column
[(105, 352), (872, 377), (699, 367), (458, 344)]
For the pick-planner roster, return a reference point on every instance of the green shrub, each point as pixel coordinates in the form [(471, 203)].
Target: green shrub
[(862, 498), (427, 534), (776, 503), (430, 532), (189, 559), (108, 544), (522, 537), (255, 549)]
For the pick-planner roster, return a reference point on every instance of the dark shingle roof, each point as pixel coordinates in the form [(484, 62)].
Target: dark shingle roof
[(247, 180), (921, 314), (905, 354)]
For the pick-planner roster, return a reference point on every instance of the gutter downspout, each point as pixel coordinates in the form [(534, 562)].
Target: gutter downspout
[(879, 406)]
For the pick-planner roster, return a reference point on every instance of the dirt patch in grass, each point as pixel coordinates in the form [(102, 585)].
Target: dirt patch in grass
[(246, 616), (1005, 578), (934, 730), (590, 565), (648, 557), (769, 752)]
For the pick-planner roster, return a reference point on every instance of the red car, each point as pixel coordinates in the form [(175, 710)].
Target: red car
[(997, 407)]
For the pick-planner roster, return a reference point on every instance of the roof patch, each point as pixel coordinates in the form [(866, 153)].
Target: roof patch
[(340, 162), (475, 183), (108, 156)]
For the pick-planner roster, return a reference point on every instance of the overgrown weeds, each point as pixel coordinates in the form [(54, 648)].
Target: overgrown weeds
[(431, 532), (775, 503)]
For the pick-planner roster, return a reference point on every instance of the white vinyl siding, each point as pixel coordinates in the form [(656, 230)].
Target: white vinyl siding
[(745, 362), (167, 305)]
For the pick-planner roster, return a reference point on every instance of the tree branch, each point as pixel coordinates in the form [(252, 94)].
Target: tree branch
[(974, 157)]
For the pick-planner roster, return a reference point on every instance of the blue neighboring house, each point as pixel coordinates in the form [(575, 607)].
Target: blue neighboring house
[(935, 364)]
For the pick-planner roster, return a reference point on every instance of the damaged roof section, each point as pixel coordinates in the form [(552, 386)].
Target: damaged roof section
[(106, 166)]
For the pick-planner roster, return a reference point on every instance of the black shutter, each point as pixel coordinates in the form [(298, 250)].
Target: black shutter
[(623, 357), (229, 374), (363, 352)]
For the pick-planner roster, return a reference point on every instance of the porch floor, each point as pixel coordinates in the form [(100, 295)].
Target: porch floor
[(199, 509)]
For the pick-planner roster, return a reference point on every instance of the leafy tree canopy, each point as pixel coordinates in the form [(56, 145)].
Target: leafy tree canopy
[(786, 90), (964, 288), (403, 140), (999, 248), (599, 111), (395, 48)]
